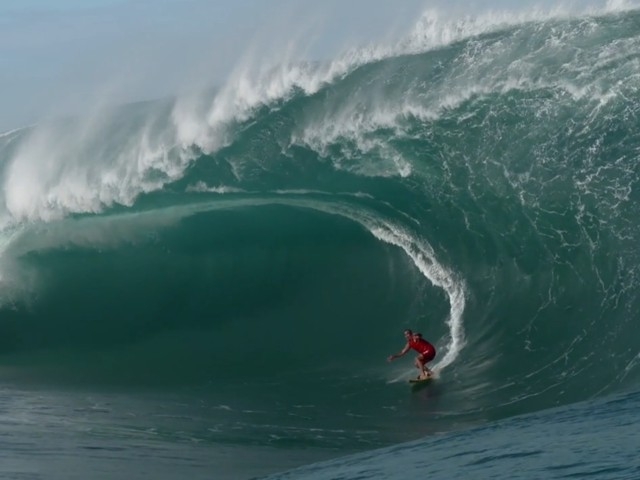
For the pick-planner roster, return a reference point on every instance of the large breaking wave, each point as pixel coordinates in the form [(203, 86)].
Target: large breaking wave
[(478, 181)]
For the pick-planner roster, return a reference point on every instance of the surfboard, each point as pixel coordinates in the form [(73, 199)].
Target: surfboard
[(420, 381)]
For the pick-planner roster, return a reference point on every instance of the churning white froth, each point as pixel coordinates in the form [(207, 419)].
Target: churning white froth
[(252, 85), (85, 170), (484, 66)]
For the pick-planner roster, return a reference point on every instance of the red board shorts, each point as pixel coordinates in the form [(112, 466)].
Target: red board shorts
[(428, 355)]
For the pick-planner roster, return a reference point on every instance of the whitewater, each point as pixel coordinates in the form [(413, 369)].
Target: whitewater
[(209, 285)]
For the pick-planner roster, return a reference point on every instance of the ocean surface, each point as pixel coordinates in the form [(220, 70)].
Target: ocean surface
[(208, 286)]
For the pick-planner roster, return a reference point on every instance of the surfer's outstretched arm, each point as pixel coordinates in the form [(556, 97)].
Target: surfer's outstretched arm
[(406, 348)]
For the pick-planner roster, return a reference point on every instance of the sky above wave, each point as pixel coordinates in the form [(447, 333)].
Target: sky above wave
[(61, 56)]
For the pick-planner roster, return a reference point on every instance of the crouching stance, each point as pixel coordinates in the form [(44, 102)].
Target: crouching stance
[(426, 352)]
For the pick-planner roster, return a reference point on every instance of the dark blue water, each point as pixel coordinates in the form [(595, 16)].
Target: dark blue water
[(558, 443)]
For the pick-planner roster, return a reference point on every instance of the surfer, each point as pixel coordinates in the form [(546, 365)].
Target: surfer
[(426, 352)]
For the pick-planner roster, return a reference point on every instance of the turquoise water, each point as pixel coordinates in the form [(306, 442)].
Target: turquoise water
[(212, 284)]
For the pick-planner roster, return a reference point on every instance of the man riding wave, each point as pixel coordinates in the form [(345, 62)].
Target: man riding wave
[(426, 353)]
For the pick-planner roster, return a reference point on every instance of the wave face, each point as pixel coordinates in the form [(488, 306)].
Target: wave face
[(268, 241)]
